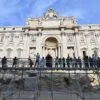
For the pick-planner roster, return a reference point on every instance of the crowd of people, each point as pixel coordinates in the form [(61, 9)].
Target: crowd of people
[(48, 61)]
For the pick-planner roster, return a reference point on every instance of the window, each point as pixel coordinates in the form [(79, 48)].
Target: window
[(83, 52), (92, 40), (32, 51), (9, 53), (70, 40), (19, 53), (13, 28), (70, 50), (32, 47), (33, 40), (82, 40), (70, 47)]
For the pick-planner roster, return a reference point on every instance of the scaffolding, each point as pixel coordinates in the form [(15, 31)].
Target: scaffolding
[(41, 83)]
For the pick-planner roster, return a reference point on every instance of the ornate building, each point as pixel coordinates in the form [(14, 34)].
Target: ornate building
[(52, 34)]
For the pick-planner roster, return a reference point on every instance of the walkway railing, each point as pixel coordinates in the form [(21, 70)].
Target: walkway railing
[(24, 63)]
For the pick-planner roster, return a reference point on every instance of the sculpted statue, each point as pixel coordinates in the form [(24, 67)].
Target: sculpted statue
[(50, 14)]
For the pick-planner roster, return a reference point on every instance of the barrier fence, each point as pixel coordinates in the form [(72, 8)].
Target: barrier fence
[(53, 64), (38, 85)]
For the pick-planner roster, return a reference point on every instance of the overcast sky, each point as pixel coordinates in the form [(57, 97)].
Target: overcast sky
[(15, 12)]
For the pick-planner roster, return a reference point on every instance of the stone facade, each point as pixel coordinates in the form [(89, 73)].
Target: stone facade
[(52, 34)]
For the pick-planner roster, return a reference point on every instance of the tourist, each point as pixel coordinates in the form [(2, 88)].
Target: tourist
[(68, 61), (56, 62), (59, 60), (79, 62), (98, 62), (94, 61), (74, 61), (49, 61), (4, 62), (86, 62), (91, 62), (14, 62), (30, 62), (63, 62), (42, 62), (37, 60)]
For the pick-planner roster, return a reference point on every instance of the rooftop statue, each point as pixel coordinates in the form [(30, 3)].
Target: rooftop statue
[(50, 14)]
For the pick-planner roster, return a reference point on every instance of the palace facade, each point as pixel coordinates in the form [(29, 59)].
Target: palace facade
[(51, 33)]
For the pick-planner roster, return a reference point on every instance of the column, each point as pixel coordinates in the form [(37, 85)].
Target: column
[(63, 46), (26, 47), (59, 51), (43, 51), (77, 45), (76, 42), (98, 42), (87, 38), (39, 45), (56, 51)]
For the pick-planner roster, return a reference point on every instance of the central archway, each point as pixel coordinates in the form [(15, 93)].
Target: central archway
[(51, 46)]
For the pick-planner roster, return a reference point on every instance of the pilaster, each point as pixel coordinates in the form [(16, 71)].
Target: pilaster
[(39, 45), (63, 43)]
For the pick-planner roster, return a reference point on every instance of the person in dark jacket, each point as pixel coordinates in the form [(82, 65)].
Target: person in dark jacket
[(14, 61), (63, 62), (30, 62), (68, 61), (60, 62), (49, 61), (94, 61), (56, 62), (4, 62), (98, 62), (75, 62), (79, 62), (91, 62), (86, 61)]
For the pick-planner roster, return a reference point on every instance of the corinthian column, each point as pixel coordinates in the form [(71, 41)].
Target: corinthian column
[(63, 45), (39, 45)]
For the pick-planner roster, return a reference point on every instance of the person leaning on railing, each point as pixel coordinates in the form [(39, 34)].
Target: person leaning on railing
[(98, 62), (79, 62), (42, 62), (63, 62), (15, 60), (68, 60), (37, 60), (56, 62), (30, 62), (4, 62), (48, 61)]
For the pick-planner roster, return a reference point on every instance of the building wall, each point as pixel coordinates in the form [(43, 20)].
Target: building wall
[(30, 39)]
